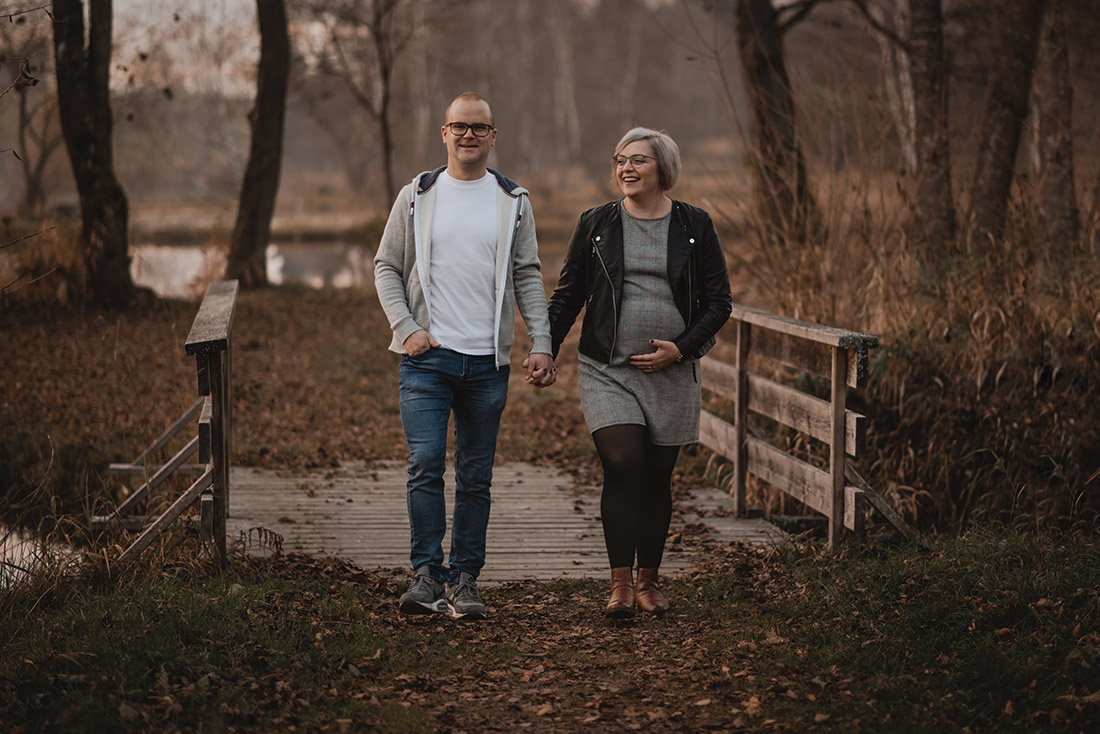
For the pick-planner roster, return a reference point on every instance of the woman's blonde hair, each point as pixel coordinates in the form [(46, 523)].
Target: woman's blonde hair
[(665, 151)]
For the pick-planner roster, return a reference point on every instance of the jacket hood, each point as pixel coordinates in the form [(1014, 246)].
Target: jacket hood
[(423, 182)]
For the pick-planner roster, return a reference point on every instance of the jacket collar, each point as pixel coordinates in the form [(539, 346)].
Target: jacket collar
[(428, 180)]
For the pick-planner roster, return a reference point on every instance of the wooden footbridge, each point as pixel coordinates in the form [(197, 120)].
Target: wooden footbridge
[(543, 524)]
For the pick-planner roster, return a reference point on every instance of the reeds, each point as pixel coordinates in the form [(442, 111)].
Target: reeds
[(981, 395)]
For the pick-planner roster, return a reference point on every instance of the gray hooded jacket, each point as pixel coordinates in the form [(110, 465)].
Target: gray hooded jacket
[(402, 266)]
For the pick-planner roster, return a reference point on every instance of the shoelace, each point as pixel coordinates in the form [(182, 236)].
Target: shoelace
[(466, 591), (420, 583)]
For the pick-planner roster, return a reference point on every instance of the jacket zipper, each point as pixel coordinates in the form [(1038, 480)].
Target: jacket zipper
[(614, 306), (691, 302)]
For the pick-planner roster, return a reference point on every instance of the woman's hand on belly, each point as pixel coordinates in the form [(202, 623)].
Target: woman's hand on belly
[(665, 353)]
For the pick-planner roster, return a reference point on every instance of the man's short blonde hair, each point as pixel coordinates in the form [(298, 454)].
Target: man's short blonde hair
[(665, 151), (469, 97)]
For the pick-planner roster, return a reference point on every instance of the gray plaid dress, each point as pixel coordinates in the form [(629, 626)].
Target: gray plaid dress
[(667, 402)]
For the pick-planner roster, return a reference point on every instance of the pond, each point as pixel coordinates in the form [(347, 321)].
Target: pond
[(22, 552), (174, 271)]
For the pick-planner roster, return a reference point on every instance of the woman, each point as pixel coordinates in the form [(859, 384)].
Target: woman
[(652, 277)]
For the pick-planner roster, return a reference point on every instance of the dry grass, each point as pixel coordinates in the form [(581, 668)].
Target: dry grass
[(978, 392), (41, 264)]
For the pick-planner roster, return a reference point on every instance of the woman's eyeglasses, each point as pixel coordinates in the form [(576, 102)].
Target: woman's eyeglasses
[(480, 129), (635, 160)]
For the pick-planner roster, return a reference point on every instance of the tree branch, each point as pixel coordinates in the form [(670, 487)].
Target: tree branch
[(8, 288), (889, 33), (12, 14), (26, 237), (348, 78), (799, 10)]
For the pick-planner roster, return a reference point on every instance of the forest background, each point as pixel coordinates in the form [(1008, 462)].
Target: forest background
[(924, 171)]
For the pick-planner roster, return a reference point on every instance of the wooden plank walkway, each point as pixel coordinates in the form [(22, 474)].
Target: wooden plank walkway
[(543, 526)]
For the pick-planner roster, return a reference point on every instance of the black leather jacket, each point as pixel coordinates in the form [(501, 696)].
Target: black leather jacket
[(592, 277)]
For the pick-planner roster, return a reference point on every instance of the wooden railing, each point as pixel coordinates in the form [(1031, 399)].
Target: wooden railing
[(837, 354), (210, 341)]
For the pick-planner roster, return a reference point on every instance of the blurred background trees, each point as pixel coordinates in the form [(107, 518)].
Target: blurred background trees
[(765, 97)]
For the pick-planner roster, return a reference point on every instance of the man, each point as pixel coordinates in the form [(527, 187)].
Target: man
[(456, 258)]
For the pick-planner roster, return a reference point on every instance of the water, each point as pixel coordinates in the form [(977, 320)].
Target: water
[(183, 271), (21, 553)]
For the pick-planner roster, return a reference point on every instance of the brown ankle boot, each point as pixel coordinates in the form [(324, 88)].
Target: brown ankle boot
[(621, 603), (649, 597)]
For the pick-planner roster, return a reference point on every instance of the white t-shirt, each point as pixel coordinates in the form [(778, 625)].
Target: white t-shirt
[(463, 267)]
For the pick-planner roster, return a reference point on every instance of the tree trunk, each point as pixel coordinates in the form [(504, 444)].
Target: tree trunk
[(933, 223), (898, 79), (382, 33), (85, 110), (567, 114), (33, 201), (632, 39), (1003, 119), (252, 231), (780, 182), (1054, 141)]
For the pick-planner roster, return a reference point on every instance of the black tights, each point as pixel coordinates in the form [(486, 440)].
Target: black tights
[(636, 505)]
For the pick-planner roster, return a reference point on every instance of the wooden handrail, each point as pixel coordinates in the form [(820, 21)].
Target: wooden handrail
[(214, 321), (828, 335), (210, 342), (839, 355)]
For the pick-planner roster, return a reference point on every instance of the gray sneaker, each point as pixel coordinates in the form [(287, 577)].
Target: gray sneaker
[(463, 599), (425, 595)]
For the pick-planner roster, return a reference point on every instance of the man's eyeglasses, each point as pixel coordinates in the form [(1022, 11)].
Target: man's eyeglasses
[(480, 129), (635, 160)]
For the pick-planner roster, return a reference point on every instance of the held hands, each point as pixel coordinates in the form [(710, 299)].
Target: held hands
[(540, 370), (419, 342), (666, 353)]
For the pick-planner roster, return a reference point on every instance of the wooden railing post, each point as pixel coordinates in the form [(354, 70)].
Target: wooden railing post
[(838, 402), (219, 450), (740, 425), (211, 343), (227, 370)]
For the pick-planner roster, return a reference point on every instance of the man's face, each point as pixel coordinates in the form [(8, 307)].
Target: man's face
[(468, 150)]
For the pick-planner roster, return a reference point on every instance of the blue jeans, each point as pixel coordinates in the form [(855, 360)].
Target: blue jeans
[(432, 386)]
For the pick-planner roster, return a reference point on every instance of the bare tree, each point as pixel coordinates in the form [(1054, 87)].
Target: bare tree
[(567, 120), (628, 85), (39, 138), (38, 134), (1006, 109), (365, 39), (779, 169), (83, 70), (261, 177), (1053, 137), (932, 223)]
